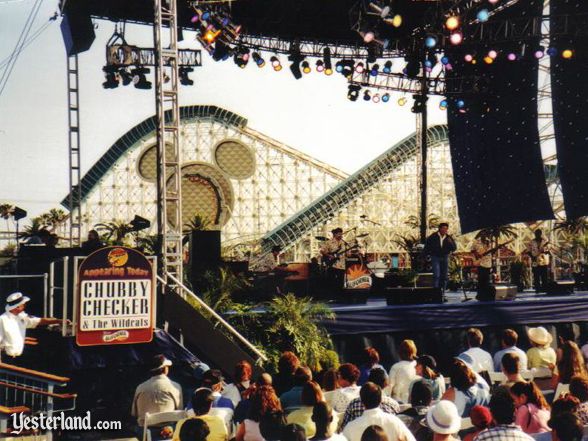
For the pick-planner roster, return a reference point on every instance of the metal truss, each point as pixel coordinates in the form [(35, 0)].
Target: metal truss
[(73, 117), (169, 159), (124, 55)]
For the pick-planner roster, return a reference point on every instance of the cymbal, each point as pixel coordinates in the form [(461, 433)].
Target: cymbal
[(359, 236), (320, 238)]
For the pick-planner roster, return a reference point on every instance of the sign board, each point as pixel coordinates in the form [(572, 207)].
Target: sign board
[(115, 298), (357, 275)]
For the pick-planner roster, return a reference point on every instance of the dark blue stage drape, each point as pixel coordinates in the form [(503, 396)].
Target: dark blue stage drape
[(494, 138), (570, 102)]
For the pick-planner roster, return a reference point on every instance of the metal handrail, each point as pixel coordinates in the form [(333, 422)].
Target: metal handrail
[(201, 302)]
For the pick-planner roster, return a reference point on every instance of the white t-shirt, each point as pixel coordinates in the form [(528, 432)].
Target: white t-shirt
[(395, 429), (343, 396), (402, 374), (231, 392), (13, 329), (482, 360)]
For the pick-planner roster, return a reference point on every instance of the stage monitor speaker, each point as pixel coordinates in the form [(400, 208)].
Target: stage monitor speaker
[(560, 288), (77, 29), (425, 280), (503, 292), (205, 249), (413, 296)]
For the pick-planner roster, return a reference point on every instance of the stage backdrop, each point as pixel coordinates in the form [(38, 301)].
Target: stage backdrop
[(494, 139), (570, 101)]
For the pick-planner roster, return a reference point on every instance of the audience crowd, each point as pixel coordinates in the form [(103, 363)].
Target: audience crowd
[(501, 397)]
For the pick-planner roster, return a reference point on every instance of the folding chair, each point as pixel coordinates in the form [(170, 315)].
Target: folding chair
[(154, 419)]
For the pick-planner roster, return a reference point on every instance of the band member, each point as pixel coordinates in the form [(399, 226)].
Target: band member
[(439, 245), (266, 262), (333, 253), (481, 251), (538, 249)]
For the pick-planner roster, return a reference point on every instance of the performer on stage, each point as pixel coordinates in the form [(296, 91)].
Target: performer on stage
[(483, 256), (538, 249), (333, 252), (439, 245), (266, 280), (266, 262)]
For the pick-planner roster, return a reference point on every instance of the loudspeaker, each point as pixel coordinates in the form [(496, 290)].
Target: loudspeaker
[(413, 296), (425, 280), (560, 288), (205, 250), (77, 29), (503, 292)]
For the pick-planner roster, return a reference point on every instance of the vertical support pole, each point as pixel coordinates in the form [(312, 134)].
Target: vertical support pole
[(75, 189), (65, 295), (423, 146), (45, 295)]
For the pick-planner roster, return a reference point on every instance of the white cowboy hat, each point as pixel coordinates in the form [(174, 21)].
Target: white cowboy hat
[(159, 362), (443, 418), (540, 336), (14, 300)]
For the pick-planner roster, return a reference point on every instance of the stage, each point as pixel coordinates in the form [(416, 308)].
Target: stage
[(438, 329)]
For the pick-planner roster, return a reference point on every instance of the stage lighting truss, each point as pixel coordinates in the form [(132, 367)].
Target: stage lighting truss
[(214, 24), (367, 17), (124, 55)]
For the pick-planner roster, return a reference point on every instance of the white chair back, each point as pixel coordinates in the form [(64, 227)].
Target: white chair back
[(466, 423), (496, 377), (154, 419), (561, 389)]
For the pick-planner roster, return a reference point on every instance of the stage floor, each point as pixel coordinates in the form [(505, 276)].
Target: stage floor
[(527, 309)]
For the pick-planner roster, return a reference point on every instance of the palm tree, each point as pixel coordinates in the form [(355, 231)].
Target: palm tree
[(5, 213), (33, 229), (53, 217), (197, 223), (114, 232), (575, 232), (414, 222), (219, 287), (493, 235)]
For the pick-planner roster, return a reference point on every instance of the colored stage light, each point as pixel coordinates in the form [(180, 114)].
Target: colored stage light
[(430, 41), (328, 63), (539, 53), (567, 54), (397, 21), (368, 37), (320, 66), (449, 66), (488, 59), (452, 23), (353, 92), (492, 54), (401, 101), (551, 51), (460, 104), (376, 98), (374, 70), (258, 59), (359, 67), (306, 67), (443, 105), (386, 97), (493, 1), (468, 58), (276, 64), (456, 38), (367, 96), (387, 67), (483, 15), (444, 60), (512, 57)]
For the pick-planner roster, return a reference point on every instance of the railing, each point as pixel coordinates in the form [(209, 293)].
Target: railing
[(26, 390), (186, 292), (64, 290)]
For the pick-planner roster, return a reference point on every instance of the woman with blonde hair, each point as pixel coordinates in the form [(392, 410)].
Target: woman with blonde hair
[(403, 373), (570, 364), (541, 355)]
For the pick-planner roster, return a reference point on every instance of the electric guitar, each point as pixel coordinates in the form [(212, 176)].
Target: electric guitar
[(478, 257), (330, 259)]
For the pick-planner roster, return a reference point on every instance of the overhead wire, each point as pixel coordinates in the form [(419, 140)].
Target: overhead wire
[(32, 38)]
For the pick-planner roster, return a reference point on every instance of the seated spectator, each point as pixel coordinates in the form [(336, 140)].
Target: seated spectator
[(292, 399), (511, 368), (202, 400), (242, 381), (348, 376), (467, 389), (194, 429), (271, 425), (158, 394), (330, 383), (421, 396), (426, 371), (566, 427), (355, 408), (541, 355), (242, 409), (532, 411), (213, 380), (570, 364), (481, 420), (444, 421), (509, 345), (565, 404), (311, 395), (264, 400), (374, 433), (284, 379), (579, 389), (371, 397), (322, 416), (403, 372), (481, 360), (293, 432), (371, 361)]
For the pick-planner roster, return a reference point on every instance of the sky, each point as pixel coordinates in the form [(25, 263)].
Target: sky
[(312, 115)]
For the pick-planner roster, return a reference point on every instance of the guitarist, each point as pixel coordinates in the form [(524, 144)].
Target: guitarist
[(482, 252), (538, 249), (333, 254)]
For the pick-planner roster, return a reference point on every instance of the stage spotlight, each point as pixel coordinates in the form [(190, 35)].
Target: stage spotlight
[(374, 70), (397, 21), (359, 67), (220, 52), (353, 92), (376, 98), (488, 59), (211, 35), (456, 38), (111, 76), (443, 105), (493, 1), (126, 77), (452, 23), (539, 53), (18, 213), (276, 64), (139, 79), (345, 67), (328, 62), (295, 58), (368, 37), (492, 54), (430, 41), (401, 101), (320, 66), (444, 60), (367, 96), (551, 51), (567, 54), (483, 15), (387, 67), (420, 104), (460, 104), (412, 67), (428, 64), (386, 97), (511, 56), (183, 72), (306, 67), (468, 58), (258, 59), (140, 223), (241, 57)]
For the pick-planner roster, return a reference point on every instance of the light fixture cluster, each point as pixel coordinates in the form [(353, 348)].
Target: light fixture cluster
[(491, 55), (215, 29), (371, 20)]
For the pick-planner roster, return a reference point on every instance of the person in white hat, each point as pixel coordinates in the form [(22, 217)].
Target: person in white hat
[(541, 355), (15, 322), (443, 420)]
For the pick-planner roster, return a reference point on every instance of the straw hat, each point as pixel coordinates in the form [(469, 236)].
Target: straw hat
[(540, 336), (443, 418), (14, 300)]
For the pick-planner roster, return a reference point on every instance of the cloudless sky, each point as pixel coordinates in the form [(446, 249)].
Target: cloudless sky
[(312, 115)]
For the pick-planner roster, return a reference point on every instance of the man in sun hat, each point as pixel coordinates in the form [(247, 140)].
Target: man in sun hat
[(541, 355), (443, 418), (15, 322)]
